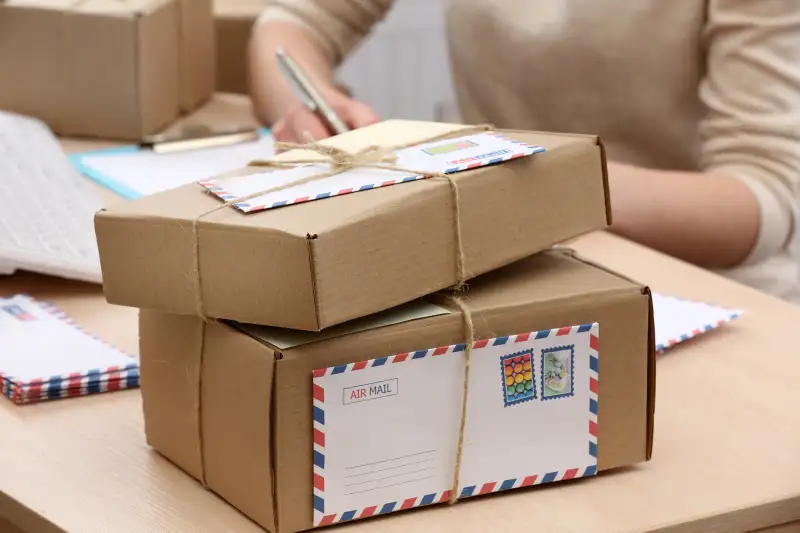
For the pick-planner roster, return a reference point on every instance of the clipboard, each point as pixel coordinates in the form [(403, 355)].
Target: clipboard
[(162, 162)]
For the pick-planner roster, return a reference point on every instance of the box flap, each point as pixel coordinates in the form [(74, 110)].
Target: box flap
[(284, 339)]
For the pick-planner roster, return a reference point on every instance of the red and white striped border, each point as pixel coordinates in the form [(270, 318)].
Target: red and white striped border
[(318, 394)]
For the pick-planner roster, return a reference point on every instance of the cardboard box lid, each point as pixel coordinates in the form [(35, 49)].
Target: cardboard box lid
[(326, 262), (549, 290)]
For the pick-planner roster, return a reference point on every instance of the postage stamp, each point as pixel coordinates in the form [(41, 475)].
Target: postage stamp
[(449, 147), (557, 378), (517, 374)]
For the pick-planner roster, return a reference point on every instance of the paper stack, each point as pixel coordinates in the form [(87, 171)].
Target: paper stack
[(45, 355)]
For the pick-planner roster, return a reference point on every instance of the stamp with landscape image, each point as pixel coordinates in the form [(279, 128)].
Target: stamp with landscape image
[(557, 378)]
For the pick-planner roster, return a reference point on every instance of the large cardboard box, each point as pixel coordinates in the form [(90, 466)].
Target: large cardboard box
[(106, 68), (319, 263), (233, 20), (224, 402)]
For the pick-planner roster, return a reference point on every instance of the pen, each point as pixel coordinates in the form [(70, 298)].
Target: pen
[(306, 91), (162, 144)]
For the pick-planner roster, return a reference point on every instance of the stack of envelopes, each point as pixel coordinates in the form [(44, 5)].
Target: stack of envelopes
[(324, 340)]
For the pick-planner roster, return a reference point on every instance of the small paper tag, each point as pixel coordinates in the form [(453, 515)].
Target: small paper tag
[(386, 430), (447, 156)]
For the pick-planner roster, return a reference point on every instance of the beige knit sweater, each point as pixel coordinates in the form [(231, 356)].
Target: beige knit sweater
[(671, 84)]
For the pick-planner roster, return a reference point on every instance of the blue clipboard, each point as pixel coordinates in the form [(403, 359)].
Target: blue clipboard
[(109, 182)]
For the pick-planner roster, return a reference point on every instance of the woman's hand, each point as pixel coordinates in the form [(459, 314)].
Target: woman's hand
[(298, 120)]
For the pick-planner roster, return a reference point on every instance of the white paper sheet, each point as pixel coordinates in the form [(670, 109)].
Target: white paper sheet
[(448, 156), (37, 343), (386, 430), (145, 172), (677, 320)]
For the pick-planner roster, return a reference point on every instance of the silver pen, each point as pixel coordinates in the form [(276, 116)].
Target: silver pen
[(306, 91)]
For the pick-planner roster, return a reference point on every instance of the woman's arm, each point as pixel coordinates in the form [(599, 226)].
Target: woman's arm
[(705, 219), (270, 91), (743, 207), (317, 34)]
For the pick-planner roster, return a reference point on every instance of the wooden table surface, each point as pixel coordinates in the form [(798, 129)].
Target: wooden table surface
[(726, 454)]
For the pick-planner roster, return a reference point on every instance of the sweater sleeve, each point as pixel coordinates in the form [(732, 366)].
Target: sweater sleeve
[(338, 25), (751, 88)]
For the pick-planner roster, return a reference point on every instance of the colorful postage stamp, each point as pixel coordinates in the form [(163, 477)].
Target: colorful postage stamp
[(449, 147), (517, 374), (557, 379)]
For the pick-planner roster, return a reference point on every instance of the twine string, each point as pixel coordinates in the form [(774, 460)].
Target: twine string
[(470, 334), (377, 157)]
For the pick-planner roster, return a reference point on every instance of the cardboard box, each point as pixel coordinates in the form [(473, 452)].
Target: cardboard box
[(233, 21), (319, 263), (252, 402), (106, 68)]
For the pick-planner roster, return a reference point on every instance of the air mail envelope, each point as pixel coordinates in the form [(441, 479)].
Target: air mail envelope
[(448, 156), (386, 430)]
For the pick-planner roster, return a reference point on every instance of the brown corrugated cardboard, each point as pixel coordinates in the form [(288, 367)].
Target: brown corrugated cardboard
[(197, 53), (105, 68), (234, 21), (252, 402), (313, 265)]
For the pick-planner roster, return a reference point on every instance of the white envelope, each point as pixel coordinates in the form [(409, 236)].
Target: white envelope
[(386, 430), (447, 156)]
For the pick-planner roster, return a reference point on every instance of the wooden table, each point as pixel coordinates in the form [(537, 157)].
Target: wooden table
[(726, 455)]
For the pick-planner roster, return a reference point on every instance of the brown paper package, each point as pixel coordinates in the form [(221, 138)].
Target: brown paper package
[(106, 68), (252, 402), (320, 263)]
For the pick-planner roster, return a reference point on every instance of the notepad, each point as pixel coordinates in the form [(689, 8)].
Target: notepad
[(133, 172), (46, 356), (678, 320)]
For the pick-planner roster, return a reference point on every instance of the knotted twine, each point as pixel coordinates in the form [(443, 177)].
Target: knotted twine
[(339, 160)]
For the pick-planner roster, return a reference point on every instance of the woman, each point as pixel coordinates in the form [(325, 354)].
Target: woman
[(697, 101)]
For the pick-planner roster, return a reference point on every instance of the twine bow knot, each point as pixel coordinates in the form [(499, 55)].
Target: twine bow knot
[(339, 161)]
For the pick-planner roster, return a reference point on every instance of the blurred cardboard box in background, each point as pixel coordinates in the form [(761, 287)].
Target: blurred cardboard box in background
[(233, 22), (106, 68)]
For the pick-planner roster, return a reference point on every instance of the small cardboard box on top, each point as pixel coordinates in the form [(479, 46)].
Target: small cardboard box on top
[(302, 429), (106, 68), (315, 264)]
